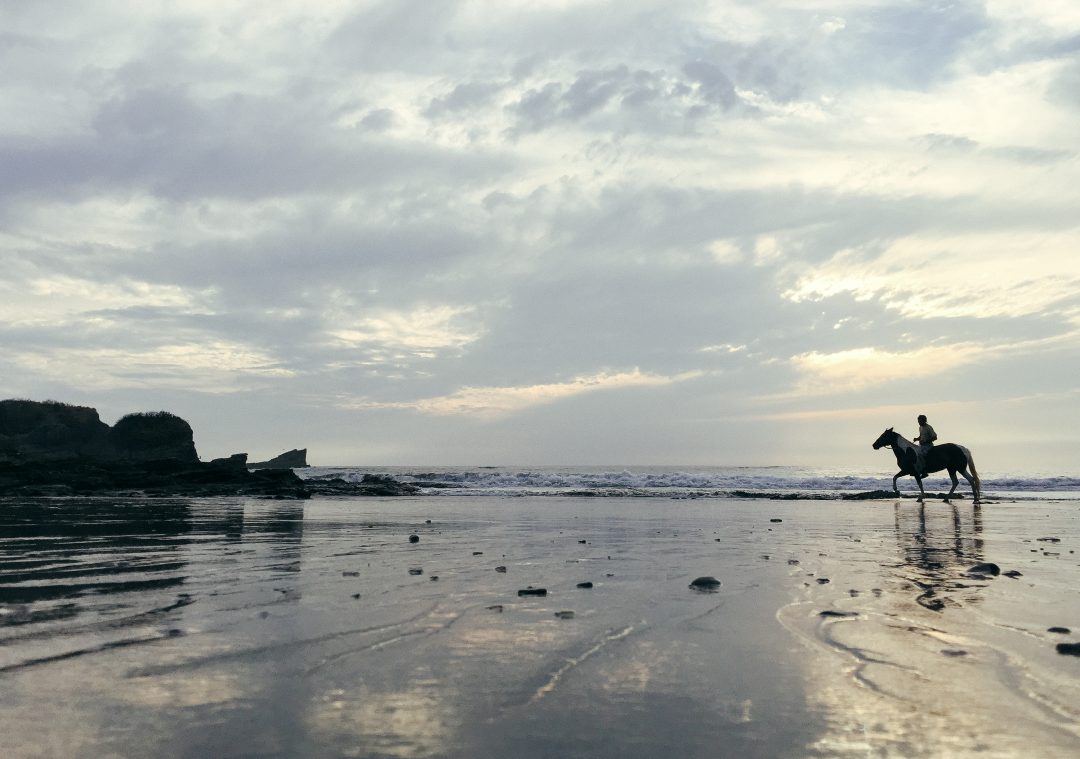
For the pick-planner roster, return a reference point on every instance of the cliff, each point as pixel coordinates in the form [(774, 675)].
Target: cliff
[(294, 459)]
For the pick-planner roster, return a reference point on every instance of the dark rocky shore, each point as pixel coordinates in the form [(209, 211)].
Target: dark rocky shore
[(56, 449)]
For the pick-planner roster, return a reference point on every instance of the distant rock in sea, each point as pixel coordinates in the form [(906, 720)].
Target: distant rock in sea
[(294, 459)]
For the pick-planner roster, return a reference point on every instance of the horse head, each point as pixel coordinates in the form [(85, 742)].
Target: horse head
[(888, 437)]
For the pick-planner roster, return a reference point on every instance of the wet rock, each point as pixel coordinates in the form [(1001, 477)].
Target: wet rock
[(793, 562), (823, 581), (1013, 574), (531, 591), (582, 541), (775, 521), (434, 578), (496, 607), (841, 614), (1059, 630), (350, 574), (609, 574), (414, 538), (954, 652), (987, 568), (564, 614), (294, 459), (766, 556), (355, 595), (1069, 649), (501, 569), (416, 571), (477, 553), (585, 585), (706, 583), (1049, 540)]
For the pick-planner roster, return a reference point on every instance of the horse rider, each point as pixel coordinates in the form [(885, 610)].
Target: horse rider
[(925, 438)]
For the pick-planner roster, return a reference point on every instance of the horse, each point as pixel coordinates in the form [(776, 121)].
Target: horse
[(955, 458)]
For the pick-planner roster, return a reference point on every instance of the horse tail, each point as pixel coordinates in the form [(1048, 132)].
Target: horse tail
[(971, 466)]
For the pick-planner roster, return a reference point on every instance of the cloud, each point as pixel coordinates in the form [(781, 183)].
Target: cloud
[(860, 368), (498, 401)]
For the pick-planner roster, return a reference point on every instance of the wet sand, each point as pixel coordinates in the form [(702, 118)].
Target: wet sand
[(256, 628)]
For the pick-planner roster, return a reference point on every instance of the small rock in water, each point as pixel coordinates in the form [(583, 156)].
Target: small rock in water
[(1069, 649), (355, 595), (564, 614), (350, 574), (501, 569), (1059, 630), (985, 569), (416, 571), (954, 652), (434, 578), (427, 521), (833, 613), (581, 541), (414, 538), (1049, 540), (496, 607), (584, 584), (823, 581), (1013, 574), (477, 553), (776, 520), (531, 591), (792, 562), (705, 583), (609, 574), (766, 556)]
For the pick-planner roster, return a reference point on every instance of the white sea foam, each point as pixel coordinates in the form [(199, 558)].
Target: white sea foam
[(698, 482)]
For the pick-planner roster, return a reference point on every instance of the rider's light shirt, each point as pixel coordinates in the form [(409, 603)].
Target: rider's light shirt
[(927, 436)]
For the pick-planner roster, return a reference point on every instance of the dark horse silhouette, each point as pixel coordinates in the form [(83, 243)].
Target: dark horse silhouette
[(955, 458)]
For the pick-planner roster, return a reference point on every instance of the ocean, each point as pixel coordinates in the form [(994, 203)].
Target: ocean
[(690, 482)]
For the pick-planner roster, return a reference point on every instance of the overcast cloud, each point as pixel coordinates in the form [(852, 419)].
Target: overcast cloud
[(472, 232)]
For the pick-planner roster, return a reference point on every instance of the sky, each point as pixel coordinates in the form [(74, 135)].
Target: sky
[(467, 232)]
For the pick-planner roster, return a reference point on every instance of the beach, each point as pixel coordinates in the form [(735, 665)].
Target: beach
[(246, 627)]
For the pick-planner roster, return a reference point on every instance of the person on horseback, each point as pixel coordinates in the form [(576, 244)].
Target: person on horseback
[(925, 437)]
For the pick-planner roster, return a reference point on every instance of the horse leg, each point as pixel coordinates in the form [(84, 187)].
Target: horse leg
[(974, 486), (955, 482), (922, 493), (894, 479)]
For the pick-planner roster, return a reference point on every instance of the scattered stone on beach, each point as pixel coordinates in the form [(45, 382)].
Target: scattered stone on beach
[(434, 578), (793, 562), (414, 538), (585, 584), (531, 591), (564, 614), (1013, 573), (496, 607), (852, 592), (954, 652), (609, 574), (706, 583), (876, 591), (582, 541), (477, 553), (774, 520), (427, 521), (501, 569), (834, 613), (350, 574), (766, 556), (823, 581), (355, 595), (1059, 630), (1049, 540), (416, 571), (1069, 649), (987, 568)]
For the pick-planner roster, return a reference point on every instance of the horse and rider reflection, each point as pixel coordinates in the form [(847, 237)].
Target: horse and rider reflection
[(938, 547)]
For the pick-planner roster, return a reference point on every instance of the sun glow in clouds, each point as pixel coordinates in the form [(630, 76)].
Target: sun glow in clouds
[(498, 401)]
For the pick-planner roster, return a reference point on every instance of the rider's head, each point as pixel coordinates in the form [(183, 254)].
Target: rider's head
[(922, 419)]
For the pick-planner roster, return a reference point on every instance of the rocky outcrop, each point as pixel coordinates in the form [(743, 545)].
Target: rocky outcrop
[(56, 449), (294, 459), (152, 437)]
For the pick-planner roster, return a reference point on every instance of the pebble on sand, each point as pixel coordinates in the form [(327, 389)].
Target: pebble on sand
[(1069, 649), (1059, 630), (985, 569), (834, 613), (564, 614), (350, 574), (823, 581), (496, 607), (531, 591), (414, 538), (500, 569), (585, 584), (774, 520), (705, 583), (954, 652), (1013, 573), (416, 571)]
